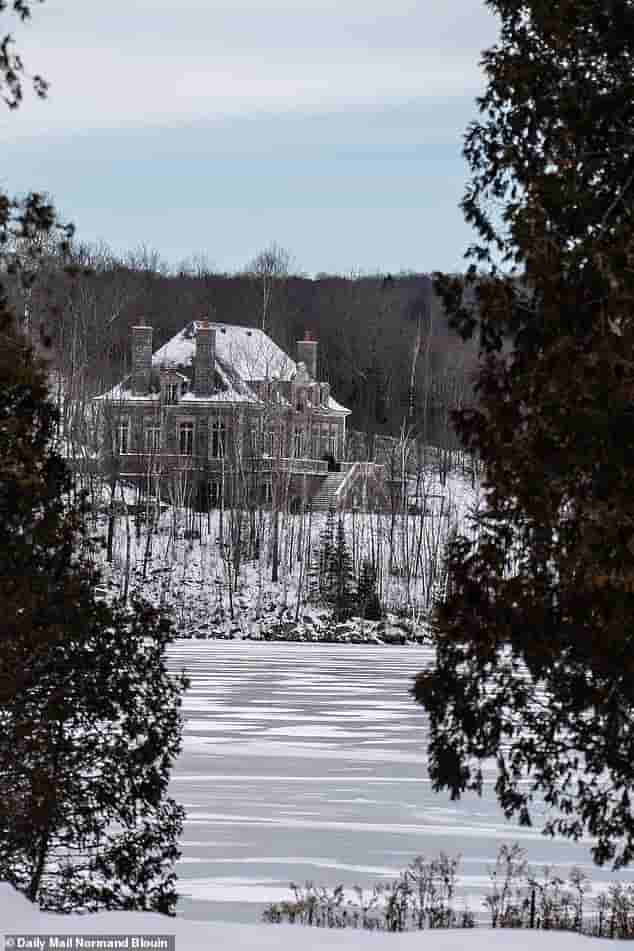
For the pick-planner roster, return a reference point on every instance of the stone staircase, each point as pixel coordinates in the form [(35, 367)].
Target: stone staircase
[(325, 498)]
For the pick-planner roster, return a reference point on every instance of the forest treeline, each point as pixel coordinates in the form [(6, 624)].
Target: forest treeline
[(384, 345)]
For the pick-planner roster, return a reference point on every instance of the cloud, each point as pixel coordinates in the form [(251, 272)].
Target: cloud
[(331, 126), (154, 60)]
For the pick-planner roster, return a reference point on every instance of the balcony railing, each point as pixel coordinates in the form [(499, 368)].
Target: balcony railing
[(301, 466), (157, 461)]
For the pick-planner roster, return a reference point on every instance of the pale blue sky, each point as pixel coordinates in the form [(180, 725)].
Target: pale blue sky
[(331, 128)]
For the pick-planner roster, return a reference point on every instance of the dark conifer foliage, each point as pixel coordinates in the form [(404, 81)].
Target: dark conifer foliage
[(535, 639), (12, 71), (341, 582), (332, 575), (89, 715), (368, 601), (320, 570)]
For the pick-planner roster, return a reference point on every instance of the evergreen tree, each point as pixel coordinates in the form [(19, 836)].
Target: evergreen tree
[(89, 715), (368, 600), (535, 637), (340, 591), (321, 566), (332, 581)]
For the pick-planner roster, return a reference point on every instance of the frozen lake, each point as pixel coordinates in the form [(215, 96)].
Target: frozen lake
[(307, 762)]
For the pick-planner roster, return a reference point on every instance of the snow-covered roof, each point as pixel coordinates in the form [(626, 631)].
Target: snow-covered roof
[(243, 355), (249, 351), (337, 407), (122, 392)]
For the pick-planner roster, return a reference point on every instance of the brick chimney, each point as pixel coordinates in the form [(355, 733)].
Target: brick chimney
[(141, 358), (204, 359), (307, 354)]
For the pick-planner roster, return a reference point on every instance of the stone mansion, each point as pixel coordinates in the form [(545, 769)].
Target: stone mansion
[(219, 403)]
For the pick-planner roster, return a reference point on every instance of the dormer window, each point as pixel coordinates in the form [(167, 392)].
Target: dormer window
[(171, 393)]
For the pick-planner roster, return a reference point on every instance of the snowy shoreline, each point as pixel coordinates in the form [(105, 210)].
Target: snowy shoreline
[(19, 917), (316, 628)]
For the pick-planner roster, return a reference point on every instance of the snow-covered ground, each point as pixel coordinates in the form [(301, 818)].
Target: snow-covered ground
[(185, 565), (18, 916), (307, 762)]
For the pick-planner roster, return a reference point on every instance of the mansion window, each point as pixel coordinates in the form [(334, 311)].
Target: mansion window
[(123, 436), (277, 440), (152, 438), (171, 393), (217, 438), (186, 438), (215, 494), (328, 439), (255, 436), (298, 442)]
